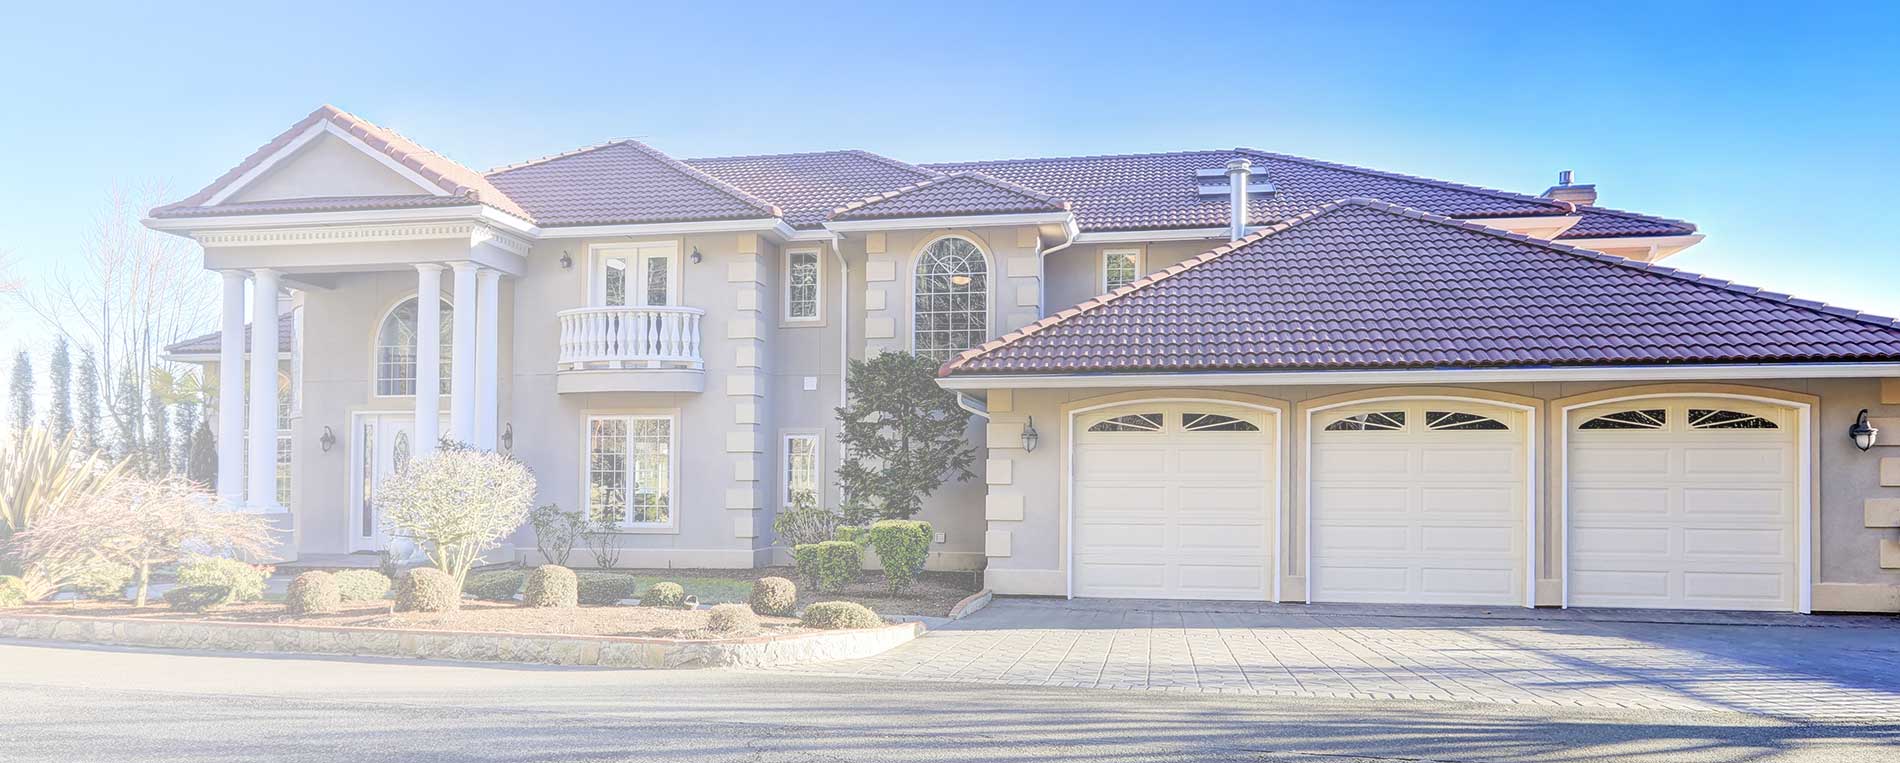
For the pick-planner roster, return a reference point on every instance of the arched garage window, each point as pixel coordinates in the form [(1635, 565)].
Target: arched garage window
[(951, 307), (396, 349)]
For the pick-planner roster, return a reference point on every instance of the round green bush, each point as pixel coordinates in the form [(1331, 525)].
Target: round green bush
[(602, 589), (198, 598), (500, 585), (313, 593), (246, 581), (362, 585), (427, 589), (902, 547), (12, 592), (663, 595), (774, 596), (732, 619), (551, 585), (840, 615)]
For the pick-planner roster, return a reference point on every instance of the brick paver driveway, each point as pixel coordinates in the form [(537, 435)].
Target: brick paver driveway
[(1788, 666)]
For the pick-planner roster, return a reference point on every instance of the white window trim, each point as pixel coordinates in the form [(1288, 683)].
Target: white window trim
[(671, 526), (785, 297), (598, 254), (989, 291), (817, 436), (376, 347), (1134, 253)]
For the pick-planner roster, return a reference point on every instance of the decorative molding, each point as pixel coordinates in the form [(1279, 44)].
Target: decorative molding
[(345, 234)]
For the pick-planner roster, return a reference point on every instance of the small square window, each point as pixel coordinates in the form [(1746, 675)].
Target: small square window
[(1120, 267)]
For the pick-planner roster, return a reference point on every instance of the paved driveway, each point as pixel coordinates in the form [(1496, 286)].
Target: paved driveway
[(1788, 666)]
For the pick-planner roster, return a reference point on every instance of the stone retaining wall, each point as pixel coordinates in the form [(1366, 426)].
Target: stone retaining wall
[(603, 651)]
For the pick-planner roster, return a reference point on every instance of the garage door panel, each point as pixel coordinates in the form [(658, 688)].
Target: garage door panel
[(1123, 497), (1352, 501), (1213, 580), (1619, 502), (1361, 583), (1440, 462), (1621, 588), (1756, 587), (1770, 544), (1483, 501), (1617, 460), (1464, 582), (1119, 461), (1108, 536), (1620, 541), (1221, 537), (1390, 463), (1703, 461), (1472, 541), (1217, 463), (1218, 499), (1753, 503)]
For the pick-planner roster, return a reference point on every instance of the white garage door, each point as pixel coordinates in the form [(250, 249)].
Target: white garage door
[(1419, 501), (1175, 501), (1683, 503)]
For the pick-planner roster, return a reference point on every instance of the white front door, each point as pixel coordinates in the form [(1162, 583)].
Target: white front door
[(1175, 500), (380, 444), (1419, 501), (1684, 503)]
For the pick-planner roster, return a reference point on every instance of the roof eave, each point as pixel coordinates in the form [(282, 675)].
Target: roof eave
[(951, 221), (967, 380)]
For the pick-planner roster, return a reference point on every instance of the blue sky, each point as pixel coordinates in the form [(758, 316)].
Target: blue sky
[(1773, 129)]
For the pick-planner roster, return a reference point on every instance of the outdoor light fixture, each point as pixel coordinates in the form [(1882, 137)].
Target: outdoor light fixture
[(696, 257), (1862, 432), (508, 437), (328, 440), (567, 262), (1030, 436)]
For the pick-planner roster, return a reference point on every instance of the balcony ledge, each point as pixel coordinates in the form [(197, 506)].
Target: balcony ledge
[(572, 382)]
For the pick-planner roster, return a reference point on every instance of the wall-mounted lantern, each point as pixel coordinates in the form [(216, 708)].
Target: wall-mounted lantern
[(508, 437), (1862, 432), (1030, 436), (567, 260), (696, 256), (328, 440)]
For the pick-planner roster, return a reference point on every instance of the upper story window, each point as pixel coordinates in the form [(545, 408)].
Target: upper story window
[(637, 275), (802, 286), (951, 308), (1120, 267), (396, 349)]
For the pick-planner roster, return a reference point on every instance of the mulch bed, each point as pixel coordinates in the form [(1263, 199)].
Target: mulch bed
[(475, 616), (932, 594)]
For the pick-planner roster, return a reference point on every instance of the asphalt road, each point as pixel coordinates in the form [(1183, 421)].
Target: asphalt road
[(60, 703)]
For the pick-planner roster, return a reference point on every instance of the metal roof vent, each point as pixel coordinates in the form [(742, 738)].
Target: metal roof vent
[(1215, 184), (1565, 190)]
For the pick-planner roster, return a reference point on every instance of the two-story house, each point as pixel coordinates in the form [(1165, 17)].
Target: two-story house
[(1207, 374)]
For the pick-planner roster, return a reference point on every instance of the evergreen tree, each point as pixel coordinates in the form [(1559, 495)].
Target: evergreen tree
[(91, 438), (903, 437), (158, 442), (127, 441), (20, 394), (203, 466), (186, 429), (60, 416)]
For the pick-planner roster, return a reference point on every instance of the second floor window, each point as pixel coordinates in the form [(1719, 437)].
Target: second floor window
[(1120, 267), (951, 307), (801, 286), (396, 349)]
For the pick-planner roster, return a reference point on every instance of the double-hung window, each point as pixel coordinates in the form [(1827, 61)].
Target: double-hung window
[(636, 275), (804, 459), (803, 287), (630, 470), (1120, 267)]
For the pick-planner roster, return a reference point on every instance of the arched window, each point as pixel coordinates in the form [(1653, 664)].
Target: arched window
[(396, 349), (950, 312)]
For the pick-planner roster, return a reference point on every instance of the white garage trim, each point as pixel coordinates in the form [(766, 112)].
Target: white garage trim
[(1530, 475), (1804, 447), (1068, 478)]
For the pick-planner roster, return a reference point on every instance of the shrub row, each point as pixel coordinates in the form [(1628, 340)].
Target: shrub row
[(902, 546)]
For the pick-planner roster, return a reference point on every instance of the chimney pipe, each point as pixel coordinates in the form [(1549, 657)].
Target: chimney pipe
[(1239, 174), (1566, 189)]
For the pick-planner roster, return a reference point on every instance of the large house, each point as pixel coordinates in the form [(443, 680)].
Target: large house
[(1221, 374)]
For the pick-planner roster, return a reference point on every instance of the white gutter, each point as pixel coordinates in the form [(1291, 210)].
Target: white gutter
[(971, 403), (1042, 262), (1429, 376), (958, 221)]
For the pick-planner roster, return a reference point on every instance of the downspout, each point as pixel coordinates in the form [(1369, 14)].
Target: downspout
[(844, 319), (1042, 278)]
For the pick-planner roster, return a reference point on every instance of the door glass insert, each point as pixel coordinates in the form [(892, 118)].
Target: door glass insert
[(1459, 420), (1708, 418), (1134, 422), (1648, 418), (1379, 421), (1214, 422)]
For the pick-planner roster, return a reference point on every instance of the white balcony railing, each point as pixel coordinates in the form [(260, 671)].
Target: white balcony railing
[(630, 337)]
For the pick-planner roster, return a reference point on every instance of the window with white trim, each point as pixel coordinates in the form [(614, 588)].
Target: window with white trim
[(804, 458), (1120, 267), (640, 275), (951, 302), (396, 350), (630, 470), (803, 285)]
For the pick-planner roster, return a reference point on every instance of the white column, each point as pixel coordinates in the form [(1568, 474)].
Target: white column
[(462, 358), (487, 358), (263, 481), (428, 358), (231, 391)]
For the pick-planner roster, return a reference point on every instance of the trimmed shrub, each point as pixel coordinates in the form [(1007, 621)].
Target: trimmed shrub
[(104, 580), (774, 596), (663, 595), (734, 619), (313, 593), (500, 585), (601, 589), (840, 615), (427, 589), (246, 581), (832, 564), (551, 585), (362, 585), (850, 534), (198, 598), (12, 592), (902, 546)]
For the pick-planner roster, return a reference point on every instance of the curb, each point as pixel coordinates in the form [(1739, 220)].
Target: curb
[(538, 649), (971, 604)]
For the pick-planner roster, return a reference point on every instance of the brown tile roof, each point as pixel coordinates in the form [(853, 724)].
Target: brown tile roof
[(1599, 222), (809, 186), (624, 182), (448, 175), (1362, 284), (955, 194), (208, 343)]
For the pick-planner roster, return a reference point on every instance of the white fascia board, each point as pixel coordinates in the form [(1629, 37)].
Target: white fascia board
[(1554, 225), (321, 128), (1624, 242), (771, 225), (1133, 236), (358, 217), (1432, 376), (819, 234), (960, 221)]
